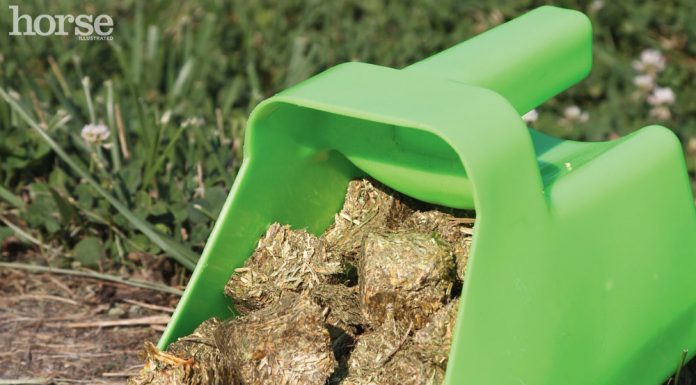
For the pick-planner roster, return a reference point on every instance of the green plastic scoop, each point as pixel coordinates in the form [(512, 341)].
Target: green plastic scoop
[(583, 254)]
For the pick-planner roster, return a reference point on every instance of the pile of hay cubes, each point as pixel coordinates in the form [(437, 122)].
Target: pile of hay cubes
[(371, 301)]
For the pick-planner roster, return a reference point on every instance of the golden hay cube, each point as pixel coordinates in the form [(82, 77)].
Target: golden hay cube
[(284, 343), (409, 274), (284, 260)]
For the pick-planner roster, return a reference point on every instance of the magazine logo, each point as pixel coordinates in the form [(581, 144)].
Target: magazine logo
[(85, 27)]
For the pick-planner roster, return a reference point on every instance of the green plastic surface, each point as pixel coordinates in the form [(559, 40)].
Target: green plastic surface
[(583, 254)]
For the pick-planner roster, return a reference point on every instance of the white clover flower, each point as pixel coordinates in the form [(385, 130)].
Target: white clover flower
[(596, 6), (95, 133), (575, 114), (661, 96), (195, 121), (166, 117), (691, 145), (531, 116), (660, 113), (651, 61), (14, 94), (644, 82)]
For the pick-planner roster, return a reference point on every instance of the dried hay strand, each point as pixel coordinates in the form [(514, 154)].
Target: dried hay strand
[(284, 343)]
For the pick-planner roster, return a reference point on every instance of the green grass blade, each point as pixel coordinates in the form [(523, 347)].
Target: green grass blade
[(182, 78), (682, 362), (88, 98), (137, 43), (111, 121), (11, 198)]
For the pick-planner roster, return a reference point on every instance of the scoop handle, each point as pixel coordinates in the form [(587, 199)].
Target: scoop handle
[(526, 60)]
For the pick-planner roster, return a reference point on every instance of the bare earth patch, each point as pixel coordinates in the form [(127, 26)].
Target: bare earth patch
[(57, 329)]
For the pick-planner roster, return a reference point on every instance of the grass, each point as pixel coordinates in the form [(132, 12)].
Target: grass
[(175, 85)]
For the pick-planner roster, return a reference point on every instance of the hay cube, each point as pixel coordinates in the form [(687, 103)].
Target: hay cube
[(367, 206), (376, 347), (410, 274), (406, 368), (192, 360), (284, 343), (284, 259), (454, 231), (341, 306), (433, 341)]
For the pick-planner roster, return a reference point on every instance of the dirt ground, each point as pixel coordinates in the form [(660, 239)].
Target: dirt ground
[(61, 329)]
